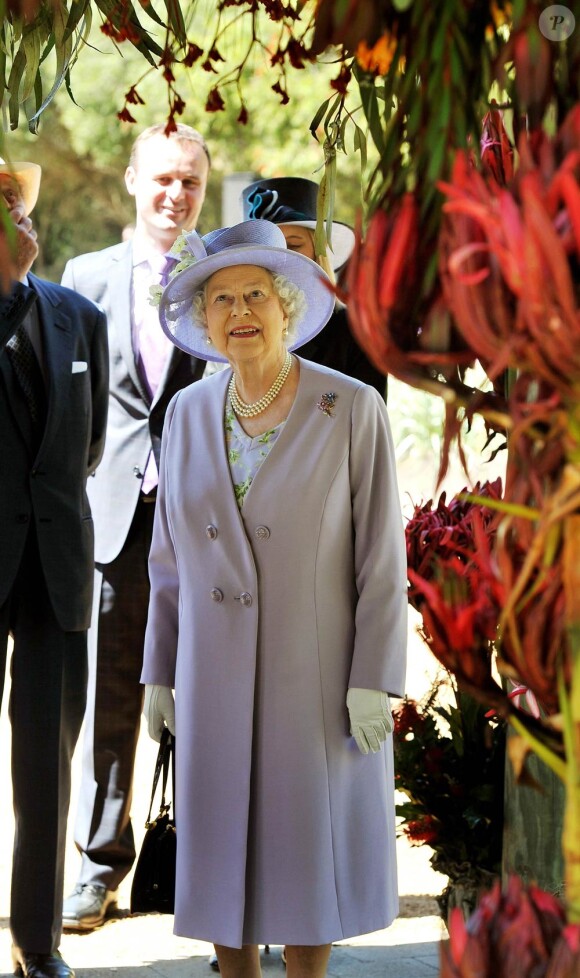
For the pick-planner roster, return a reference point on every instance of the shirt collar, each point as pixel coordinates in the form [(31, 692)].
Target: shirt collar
[(142, 254)]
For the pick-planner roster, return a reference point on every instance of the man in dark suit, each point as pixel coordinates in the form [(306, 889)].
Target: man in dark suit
[(53, 406), (167, 177)]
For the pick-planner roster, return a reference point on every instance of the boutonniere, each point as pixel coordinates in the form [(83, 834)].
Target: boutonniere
[(326, 403)]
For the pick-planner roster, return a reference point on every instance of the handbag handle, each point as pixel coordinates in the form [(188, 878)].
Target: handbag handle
[(165, 754)]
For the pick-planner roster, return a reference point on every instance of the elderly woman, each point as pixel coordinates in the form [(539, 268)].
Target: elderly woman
[(277, 614)]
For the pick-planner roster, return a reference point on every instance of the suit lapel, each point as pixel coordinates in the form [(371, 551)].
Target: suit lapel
[(173, 359), (120, 286), (58, 344)]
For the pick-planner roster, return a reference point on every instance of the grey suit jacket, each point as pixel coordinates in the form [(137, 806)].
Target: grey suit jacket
[(135, 421), (48, 485)]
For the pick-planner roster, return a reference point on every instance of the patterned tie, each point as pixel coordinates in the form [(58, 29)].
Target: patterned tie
[(28, 373)]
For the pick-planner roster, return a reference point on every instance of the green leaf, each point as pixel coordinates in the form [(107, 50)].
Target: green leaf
[(372, 113), (176, 21), (360, 145), (31, 45), (320, 113), (402, 4), (14, 81)]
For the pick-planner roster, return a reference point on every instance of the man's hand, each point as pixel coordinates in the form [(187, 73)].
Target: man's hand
[(26, 248), (26, 243)]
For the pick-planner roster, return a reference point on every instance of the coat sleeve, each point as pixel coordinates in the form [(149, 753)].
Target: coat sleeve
[(380, 647), (100, 390), (162, 621)]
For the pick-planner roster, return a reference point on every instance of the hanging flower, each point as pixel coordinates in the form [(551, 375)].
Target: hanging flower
[(378, 58)]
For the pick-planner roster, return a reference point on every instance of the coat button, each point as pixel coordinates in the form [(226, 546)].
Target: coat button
[(22, 518), (244, 598), (216, 594), (211, 532), (262, 532)]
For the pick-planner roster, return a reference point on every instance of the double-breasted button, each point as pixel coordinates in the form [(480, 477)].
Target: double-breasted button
[(216, 594), (262, 532), (22, 518), (244, 598), (211, 532)]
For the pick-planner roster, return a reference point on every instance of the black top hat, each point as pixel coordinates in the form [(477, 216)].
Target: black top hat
[(292, 200)]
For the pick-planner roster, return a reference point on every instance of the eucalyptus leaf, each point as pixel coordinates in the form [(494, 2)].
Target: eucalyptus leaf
[(176, 21), (373, 115), (31, 46), (14, 82), (320, 113), (360, 145)]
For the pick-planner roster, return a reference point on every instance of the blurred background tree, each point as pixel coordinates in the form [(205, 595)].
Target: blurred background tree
[(83, 147)]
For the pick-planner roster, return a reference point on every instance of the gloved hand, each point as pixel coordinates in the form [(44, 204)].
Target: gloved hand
[(371, 719), (159, 710)]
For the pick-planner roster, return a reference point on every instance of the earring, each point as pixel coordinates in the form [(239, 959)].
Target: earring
[(285, 331), (207, 341)]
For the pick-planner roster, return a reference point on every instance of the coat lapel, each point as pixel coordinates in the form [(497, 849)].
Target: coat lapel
[(58, 343), (120, 286)]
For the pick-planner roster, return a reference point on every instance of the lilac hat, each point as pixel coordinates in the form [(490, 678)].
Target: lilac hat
[(258, 243)]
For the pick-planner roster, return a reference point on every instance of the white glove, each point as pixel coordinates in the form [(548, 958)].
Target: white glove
[(371, 719), (159, 710)]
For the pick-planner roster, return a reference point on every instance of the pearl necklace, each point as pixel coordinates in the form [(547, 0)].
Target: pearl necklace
[(251, 410)]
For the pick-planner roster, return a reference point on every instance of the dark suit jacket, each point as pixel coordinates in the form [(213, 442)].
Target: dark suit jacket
[(336, 347), (135, 421), (48, 486)]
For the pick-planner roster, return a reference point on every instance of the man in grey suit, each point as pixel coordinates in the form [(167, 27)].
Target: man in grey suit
[(167, 177), (53, 406)]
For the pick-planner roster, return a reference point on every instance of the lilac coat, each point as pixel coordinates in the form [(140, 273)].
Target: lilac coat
[(261, 620)]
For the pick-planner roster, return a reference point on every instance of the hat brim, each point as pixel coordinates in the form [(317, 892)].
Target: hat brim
[(342, 238), (27, 176), (175, 306)]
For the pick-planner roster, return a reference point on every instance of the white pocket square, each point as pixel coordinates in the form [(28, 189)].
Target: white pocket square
[(79, 366)]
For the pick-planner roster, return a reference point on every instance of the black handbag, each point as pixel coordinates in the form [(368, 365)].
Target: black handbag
[(153, 888)]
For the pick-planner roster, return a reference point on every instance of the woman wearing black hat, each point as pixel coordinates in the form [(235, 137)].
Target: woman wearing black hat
[(290, 202)]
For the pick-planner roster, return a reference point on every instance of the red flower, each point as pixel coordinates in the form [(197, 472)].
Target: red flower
[(178, 105), (194, 53), (497, 153), (133, 96), (517, 931), (284, 97), (421, 830), (215, 102), (125, 116), (407, 718), (340, 83), (296, 53)]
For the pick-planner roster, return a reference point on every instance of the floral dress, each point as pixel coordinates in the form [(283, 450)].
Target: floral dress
[(246, 454)]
